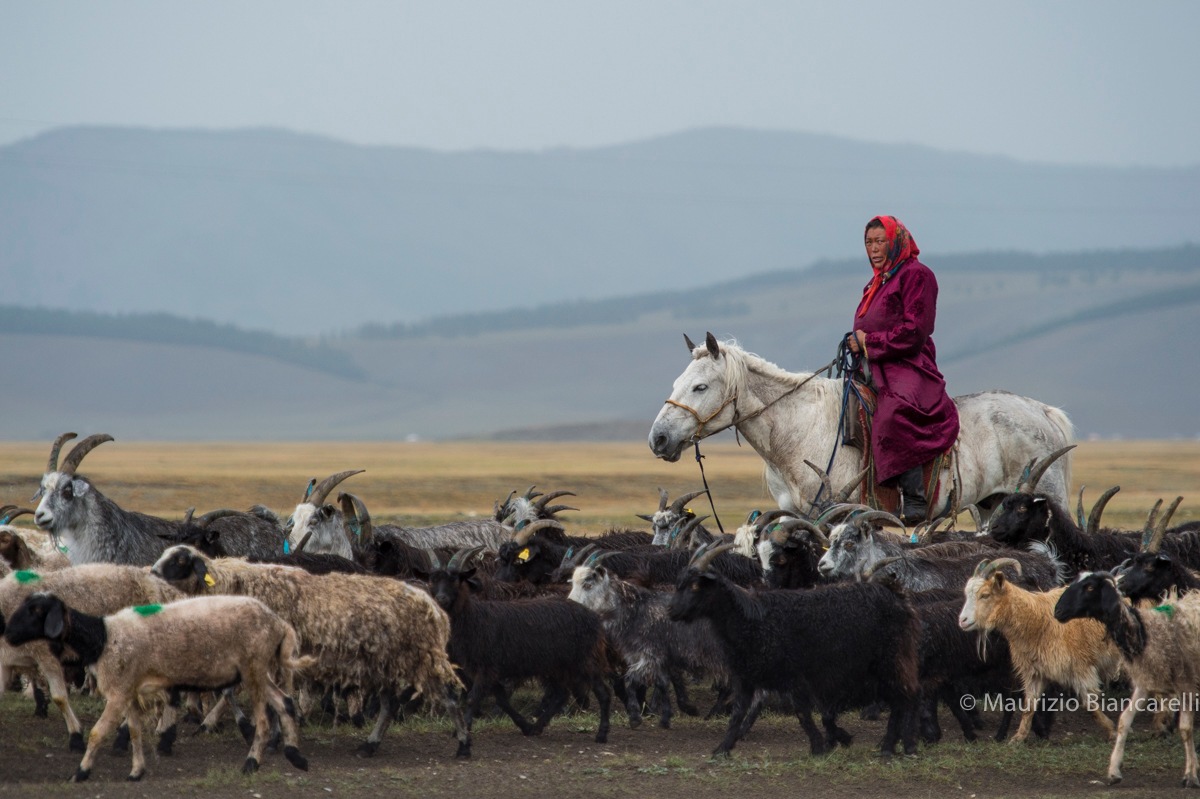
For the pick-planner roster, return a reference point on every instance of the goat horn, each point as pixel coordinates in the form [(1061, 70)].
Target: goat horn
[(322, 489), (678, 504), (705, 555), (1093, 522), (530, 494), (804, 524), (836, 513), (1040, 469), (52, 464), (976, 516), (879, 515), (523, 535), (571, 558), (304, 541), (1148, 530), (987, 568), (10, 512), (764, 520), (462, 557), (937, 523), (187, 516), (553, 509), (435, 563), (879, 564), (1160, 529), (71, 462), (598, 557), (213, 515), (662, 498), (1079, 518), (541, 503), (825, 484), (354, 508), (854, 483)]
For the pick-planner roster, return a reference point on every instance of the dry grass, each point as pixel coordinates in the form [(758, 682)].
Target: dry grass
[(430, 482)]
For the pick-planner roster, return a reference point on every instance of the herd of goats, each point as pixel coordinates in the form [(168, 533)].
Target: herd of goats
[(830, 611)]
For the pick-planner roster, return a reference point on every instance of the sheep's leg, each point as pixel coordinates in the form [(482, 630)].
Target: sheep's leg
[(802, 706), (387, 710), (114, 711), (604, 698), (553, 701), (1093, 701), (742, 696), (133, 718), (952, 698), (258, 745), (212, 720), (1123, 726), (1033, 698), (503, 702), (167, 728), (57, 684), (1186, 719), (285, 708)]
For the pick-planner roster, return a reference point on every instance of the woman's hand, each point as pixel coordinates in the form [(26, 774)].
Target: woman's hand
[(858, 342)]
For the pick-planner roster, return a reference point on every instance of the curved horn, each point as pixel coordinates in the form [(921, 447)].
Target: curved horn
[(837, 512), (764, 520), (690, 527), (1079, 517), (705, 556), (987, 568), (435, 563), (662, 498), (52, 464), (678, 504), (322, 489), (304, 541), (1148, 530), (879, 564), (1160, 529), (976, 516), (804, 524), (71, 462), (936, 524), (213, 515), (571, 558), (849, 488), (541, 503), (187, 516), (1093, 522), (553, 509), (523, 535), (879, 515), (691, 345), (355, 508), (10, 512), (462, 557), (1040, 468), (825, 484)]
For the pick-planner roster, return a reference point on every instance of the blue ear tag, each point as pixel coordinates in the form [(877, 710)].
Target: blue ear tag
[(287, 550), (912, 539)]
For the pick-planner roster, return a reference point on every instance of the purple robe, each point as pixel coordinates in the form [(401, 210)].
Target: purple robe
[(915, 419)]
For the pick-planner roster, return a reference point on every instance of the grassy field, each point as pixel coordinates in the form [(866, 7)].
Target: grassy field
[(422, 483)]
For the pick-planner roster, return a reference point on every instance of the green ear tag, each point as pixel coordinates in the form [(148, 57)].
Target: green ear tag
[(26, 576), (1167, 609), (147, 610)]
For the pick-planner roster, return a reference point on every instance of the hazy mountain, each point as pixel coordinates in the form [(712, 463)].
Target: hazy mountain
[(1107, 335), (296, 234)]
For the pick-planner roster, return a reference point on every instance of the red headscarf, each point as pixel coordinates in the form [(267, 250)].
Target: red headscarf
[(901, 248)]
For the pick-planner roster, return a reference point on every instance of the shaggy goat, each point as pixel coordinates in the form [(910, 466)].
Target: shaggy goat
[(1075, 655), (206, 643), (832, 647), (370, 633), (1160, 652)]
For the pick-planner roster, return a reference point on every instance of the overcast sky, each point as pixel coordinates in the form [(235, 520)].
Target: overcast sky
[(1095, 81)]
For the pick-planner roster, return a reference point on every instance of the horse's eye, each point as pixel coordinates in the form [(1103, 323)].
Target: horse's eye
[(701, 387)]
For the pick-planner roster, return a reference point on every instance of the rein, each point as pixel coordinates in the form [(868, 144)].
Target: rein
[(737, 419)]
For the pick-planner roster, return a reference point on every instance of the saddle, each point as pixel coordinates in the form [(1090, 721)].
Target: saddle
[(856, 432)]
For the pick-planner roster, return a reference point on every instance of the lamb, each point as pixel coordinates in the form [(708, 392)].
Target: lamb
[(831, 647), (206, 643), (98, 589), (1160, 652), (653, 647), (24, 549), (1075, 655), (558, 642), (370, 633), (94, 529)]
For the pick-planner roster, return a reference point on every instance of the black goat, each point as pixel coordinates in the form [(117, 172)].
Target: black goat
[(558, 642), (211, 541), (537, 549), (832, 648), (790, 553)]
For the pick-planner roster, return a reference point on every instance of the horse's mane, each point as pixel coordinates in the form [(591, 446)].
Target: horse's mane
[(739, 363)]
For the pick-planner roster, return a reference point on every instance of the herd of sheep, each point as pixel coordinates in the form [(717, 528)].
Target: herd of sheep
[(828, 612)]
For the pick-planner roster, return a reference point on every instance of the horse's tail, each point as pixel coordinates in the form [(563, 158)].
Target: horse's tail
[(1066, 429)]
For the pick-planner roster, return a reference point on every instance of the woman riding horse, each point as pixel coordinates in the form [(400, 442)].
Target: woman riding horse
[(915, 419)]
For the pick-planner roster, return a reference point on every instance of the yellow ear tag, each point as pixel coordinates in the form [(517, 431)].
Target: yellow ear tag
[(523, 555), (209, 581)]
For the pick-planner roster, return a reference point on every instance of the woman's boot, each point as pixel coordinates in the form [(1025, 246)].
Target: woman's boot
[(913, 505)]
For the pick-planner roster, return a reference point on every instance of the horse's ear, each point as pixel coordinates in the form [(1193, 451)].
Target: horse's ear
[(714, 349), (691, 345)]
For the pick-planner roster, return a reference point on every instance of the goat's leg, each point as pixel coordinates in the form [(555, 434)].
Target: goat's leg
[(662, 692), (1123, 726), (503, 701), (553, 701), (633, 687), (679, 683), (742, 696), (1033, 698), (604, 698), (387, 710), (1093, 700)]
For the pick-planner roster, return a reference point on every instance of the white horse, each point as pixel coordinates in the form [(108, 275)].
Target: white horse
[(792, 417)]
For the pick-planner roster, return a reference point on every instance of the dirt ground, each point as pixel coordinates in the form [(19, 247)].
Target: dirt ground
[(416, 759)]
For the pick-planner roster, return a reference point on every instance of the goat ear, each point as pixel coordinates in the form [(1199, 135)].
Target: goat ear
[(999, 579), (473, 582), (714, 349), (53, 626), (198, 568), (645, 517), (419, 573), (80, 487)]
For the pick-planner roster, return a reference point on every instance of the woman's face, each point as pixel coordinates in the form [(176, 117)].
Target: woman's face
[(877, 247)]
